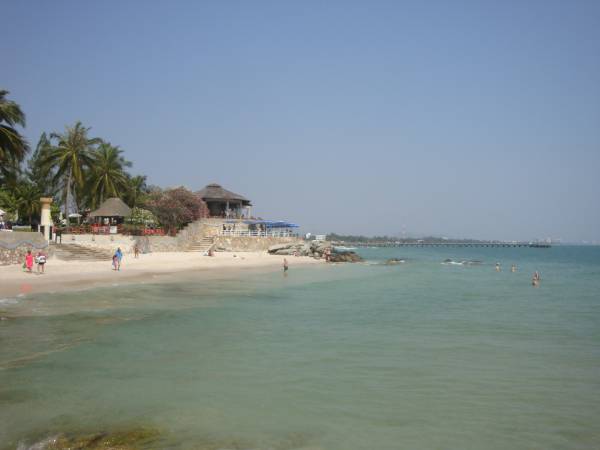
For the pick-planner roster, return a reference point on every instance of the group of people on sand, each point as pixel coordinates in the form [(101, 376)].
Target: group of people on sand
[(39, 259), (535, 281)]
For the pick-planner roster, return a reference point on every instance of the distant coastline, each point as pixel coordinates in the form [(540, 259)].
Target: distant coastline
[(390, 241)]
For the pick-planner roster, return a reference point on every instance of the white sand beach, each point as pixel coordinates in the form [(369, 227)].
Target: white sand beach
[(66, 275)]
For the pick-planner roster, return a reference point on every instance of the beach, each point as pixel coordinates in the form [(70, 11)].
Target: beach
[(73, 275)]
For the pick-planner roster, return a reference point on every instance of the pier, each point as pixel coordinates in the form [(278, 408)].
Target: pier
[(455, 244)]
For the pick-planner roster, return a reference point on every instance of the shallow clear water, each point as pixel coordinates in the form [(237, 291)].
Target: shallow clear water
[(420, 355)]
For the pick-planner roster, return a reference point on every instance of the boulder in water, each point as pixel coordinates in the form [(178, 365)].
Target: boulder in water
[(393, 261)]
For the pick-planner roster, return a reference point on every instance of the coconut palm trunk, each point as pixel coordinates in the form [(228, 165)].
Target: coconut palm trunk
[(67, 198)]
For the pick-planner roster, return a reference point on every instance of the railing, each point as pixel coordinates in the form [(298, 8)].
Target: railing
[(125, 229), (255, 233)]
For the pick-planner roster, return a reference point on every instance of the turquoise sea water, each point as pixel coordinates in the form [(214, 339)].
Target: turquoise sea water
[(420, 355)]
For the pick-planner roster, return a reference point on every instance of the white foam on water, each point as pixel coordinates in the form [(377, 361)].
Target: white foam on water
[(8, 301)]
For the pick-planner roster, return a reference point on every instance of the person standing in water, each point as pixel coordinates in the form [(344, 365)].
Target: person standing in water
[(285, 265), (498, 269), (513, 268), (535, 281)]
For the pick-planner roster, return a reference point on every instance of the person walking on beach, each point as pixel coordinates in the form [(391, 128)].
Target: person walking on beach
[(119, 255), (29, 261), (40, 259), (136, 251)]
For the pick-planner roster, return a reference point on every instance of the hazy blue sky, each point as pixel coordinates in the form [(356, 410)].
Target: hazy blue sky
[(471, 118)]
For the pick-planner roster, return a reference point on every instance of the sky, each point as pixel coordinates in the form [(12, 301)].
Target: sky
[(472, 119)]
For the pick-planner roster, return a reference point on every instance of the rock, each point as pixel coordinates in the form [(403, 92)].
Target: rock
[(284, 252), (276, 247), (345, 257), (393, 261)]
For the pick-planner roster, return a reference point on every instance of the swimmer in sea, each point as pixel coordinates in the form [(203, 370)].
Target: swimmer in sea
[(535, 281), (513, 268)]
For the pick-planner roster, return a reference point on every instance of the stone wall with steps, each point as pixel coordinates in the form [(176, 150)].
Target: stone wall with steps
[(186, 239), (198, 236)]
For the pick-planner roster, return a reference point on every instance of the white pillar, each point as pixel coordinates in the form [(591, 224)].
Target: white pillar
[(46, 218)]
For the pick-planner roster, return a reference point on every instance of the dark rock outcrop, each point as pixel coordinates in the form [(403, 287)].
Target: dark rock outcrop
[(315, 249)]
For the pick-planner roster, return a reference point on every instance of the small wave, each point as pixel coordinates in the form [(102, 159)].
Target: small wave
[(474, 262), (8, 301), (453, 263)]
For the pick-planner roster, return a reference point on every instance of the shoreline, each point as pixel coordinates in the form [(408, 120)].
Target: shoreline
[(63, 276)]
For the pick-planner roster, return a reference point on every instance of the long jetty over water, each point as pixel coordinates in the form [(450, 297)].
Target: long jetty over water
[(454, 244)]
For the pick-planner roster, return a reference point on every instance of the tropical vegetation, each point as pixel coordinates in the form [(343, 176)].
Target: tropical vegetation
[(79, 171)]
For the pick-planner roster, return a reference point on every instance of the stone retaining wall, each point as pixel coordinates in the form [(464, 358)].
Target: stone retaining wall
[(251, 244), (14, 246)]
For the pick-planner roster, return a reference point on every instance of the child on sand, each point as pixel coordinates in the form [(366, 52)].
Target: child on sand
[(40, 259), (29, 261)]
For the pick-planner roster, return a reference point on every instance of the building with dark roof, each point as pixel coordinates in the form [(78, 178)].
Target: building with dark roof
[(224, 203)]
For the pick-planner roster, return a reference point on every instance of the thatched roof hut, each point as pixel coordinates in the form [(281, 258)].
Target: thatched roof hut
[(220, 200), (113, 207), (215, 192)]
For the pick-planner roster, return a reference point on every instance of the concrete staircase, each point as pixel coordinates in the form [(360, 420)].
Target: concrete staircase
[(75, 252), (201, 245)]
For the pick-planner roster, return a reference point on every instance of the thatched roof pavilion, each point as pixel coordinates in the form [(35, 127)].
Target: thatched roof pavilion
[(113, 207), (222, 202)]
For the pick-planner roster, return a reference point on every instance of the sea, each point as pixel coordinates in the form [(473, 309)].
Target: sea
[(438, 351)]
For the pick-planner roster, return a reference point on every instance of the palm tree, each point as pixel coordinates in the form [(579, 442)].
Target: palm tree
[(107, 177), (8, 202), (13, 146), (70, 157), (27, 197), (136, 191), (38, 172)]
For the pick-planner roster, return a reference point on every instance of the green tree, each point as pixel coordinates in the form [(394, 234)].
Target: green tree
[(41, 174), (69, 158), (13, 146), (9, 203), (107, 177), (27, 197), (137, 191)]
